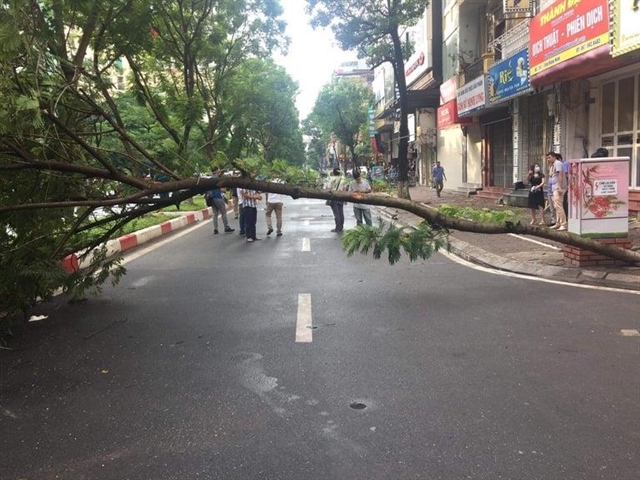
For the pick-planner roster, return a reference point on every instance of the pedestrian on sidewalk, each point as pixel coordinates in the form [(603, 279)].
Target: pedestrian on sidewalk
[(360, 210), (559, 187), (218, 204), (274, 204), (550, 182), (250, 200), (337, 183), (535, 180), (438, 177), (565, 198)]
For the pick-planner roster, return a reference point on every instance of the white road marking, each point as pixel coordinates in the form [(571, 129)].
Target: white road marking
[(464, 262), (306, 245), (306, 223), (630, 332), (304, 333), (534, 241)]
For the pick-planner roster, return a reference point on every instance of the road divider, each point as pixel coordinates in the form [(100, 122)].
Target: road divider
[(76, 261)]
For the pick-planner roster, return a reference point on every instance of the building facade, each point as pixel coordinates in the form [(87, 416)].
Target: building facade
[(503, 82)]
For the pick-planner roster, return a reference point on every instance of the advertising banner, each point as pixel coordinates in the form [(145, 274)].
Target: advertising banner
[(626, 27), (472, 96), (565, 30), (509, 78), (447, 116)]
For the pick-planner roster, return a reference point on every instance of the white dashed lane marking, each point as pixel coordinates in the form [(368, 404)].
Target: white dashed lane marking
[(306, 245), (304, 333), (630, 332)]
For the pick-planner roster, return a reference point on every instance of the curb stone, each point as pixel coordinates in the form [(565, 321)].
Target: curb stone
[(73, 262), (478, 256)]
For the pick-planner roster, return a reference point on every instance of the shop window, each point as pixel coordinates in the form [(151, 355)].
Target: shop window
[(620, 132), (608, 107), (626, 106)]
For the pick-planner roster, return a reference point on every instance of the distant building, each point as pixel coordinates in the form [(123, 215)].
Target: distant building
[(353, 69)]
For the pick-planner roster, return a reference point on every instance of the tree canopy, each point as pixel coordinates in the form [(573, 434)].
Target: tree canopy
[(108, 104), (341, 110), (373, 28)]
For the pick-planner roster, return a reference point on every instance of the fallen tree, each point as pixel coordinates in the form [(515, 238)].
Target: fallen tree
[(187, 188)]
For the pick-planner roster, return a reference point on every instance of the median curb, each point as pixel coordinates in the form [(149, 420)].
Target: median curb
[(75, 262)]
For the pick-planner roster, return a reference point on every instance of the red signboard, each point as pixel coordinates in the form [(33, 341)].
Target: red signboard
[(447, 115), (565, 30)]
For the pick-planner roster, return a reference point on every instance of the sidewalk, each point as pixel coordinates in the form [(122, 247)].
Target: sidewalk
[(527, 255)]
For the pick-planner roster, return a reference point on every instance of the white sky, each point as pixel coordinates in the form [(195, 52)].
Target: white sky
[(312, 56)]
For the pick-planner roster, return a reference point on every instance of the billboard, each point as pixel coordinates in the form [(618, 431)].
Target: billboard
[(565, 30), (472, 96), (509, 78)]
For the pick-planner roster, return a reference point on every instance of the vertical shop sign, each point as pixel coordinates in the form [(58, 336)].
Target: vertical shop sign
[(565, 30)]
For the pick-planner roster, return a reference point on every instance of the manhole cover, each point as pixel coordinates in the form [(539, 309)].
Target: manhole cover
[(358, 406)]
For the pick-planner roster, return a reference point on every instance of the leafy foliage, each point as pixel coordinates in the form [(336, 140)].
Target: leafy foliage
[(87, 155), (374, 30), (341, 110), (484, 215), (419, 243)]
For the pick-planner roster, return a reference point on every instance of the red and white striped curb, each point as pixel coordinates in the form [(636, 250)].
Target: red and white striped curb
[(72, 262)]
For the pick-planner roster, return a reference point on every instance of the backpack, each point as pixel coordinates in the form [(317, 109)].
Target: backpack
[(208, 199)]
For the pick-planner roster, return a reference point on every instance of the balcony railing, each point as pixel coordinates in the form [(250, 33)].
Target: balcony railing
[(474, 70), (470, 72)]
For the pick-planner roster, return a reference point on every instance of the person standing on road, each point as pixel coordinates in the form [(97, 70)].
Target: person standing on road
[(559, 187), (274, 204), (337, 184), (218, 206), (535, 179), (360, 210), (438, 177), (250, 200), (234, 199)]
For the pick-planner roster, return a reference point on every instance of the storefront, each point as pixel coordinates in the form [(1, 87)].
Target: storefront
[(460, 160), (574, 43), (510, 140)]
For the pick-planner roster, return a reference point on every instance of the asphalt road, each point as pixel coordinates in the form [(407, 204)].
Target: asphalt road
[(190, 369)]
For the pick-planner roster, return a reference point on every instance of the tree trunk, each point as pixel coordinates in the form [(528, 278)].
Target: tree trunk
[(403, 140)]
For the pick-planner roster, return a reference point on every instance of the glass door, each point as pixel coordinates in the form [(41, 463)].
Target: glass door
[(620, 130)]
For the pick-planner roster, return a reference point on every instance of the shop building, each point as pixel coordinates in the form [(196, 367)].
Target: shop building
[(586, 55)]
